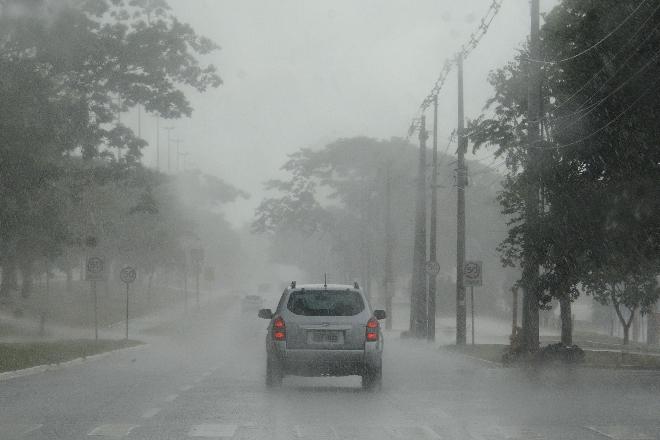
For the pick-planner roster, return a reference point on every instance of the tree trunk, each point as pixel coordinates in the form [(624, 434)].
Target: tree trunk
[(8, 276), (626, 334), (652, 328), (566, 320), (69, 279), (27, 267)]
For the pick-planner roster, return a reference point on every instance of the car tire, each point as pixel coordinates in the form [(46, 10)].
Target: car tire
[(274, 372), (372, 379)]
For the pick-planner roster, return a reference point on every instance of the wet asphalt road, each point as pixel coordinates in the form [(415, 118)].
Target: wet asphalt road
[(205, 380)]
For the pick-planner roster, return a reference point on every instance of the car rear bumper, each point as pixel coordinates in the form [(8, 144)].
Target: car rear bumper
[(329, 362)]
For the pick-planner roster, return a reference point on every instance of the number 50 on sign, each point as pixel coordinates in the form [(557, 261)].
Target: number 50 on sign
[(473, 273)]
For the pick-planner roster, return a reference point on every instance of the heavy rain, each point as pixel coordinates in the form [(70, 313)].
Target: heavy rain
[(306, 220)]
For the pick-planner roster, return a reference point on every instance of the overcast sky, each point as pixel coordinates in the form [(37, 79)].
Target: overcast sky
[(301, 73)]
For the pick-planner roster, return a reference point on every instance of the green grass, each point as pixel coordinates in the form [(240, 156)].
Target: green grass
[(609, 359), (19, 355), (593, 359)]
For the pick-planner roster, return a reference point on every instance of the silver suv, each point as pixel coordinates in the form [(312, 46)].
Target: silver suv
[(324, 330)]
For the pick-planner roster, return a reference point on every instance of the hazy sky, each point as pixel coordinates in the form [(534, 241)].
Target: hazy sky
[(301, 73)]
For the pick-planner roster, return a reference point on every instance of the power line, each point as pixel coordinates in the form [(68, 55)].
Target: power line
[(466, 50), (612, 121), (598, 43), (623, 47)]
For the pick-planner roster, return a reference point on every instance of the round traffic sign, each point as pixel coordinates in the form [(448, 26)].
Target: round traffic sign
[(472, 270), (128, 274), (432, 267), (95, 265)]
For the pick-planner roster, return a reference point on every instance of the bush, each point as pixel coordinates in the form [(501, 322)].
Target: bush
[(560, 352)]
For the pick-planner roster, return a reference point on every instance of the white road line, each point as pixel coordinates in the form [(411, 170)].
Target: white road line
[(171, 398), (186, 388), (150, 413), (621, 432), (297, 431), (213, 430), (114, 430)]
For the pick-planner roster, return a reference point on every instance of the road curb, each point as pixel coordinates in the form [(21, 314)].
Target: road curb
[(31, 371), (475, 358)]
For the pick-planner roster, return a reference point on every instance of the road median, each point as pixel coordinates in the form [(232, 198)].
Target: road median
[(594, 358), (37, 356)]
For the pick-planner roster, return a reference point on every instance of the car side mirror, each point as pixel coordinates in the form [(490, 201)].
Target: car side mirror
[(380, 314), (266, 314)]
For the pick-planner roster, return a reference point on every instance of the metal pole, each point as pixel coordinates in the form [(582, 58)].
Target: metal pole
[(178, 154), (197, 268), (418, 320), (433, 277), (96, 315), (185, 287), (472, 306), (460, 228), (169, 148), (158, 143), (389, 245), (127, 287)]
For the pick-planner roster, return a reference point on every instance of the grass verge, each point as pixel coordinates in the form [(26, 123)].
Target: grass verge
[(593, 359), (20, 355), (486, 352)]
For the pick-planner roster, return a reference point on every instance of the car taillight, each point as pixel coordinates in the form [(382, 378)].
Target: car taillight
[(372, 330), (279, 329)]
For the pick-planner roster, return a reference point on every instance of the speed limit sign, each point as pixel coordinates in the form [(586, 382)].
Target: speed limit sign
[(473, 273)]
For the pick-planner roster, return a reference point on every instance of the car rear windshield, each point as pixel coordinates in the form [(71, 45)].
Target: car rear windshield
[(325, 303)]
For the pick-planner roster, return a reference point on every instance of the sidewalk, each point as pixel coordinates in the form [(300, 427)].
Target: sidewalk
[(27, 329)]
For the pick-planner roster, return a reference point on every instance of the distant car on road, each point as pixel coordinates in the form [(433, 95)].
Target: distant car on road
[(251, 303), (324, 330)]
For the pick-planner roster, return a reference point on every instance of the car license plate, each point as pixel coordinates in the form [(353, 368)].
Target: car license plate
[(325, 337)]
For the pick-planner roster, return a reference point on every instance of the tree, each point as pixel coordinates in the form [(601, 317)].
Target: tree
[(329, 216), (599, 155), (67, 70)]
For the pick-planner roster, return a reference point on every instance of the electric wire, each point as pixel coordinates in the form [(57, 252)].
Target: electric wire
[(598, 43)]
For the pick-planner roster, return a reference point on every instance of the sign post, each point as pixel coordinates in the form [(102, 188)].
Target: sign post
[(95, 271), (472, 276), (197, 257), (127, 275)]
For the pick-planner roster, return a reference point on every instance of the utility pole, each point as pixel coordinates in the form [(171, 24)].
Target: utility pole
[(158, 143), (389, 247), (169, 148), (461, 311), (530, 316), (433, 276), (418, 318), (178, 153)]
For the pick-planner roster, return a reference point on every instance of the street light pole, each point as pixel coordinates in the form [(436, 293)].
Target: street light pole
[(169, 148)]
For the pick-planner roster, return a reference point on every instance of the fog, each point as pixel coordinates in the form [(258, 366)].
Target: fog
[(329, 220)]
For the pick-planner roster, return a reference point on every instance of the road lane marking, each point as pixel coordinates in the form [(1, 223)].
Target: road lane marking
[(621, 432), (150, 413), (171, 398), (14, 430), (416, 432), (114, 430), (213, 430), (186, 388)]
